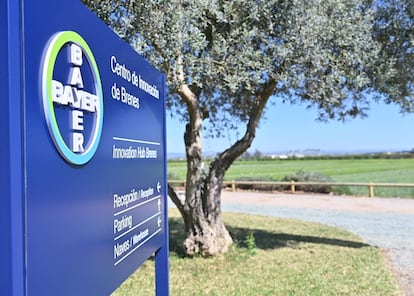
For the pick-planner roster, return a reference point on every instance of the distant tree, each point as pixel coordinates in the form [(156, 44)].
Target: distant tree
[(225, 59), (257, 154), (246, 155)]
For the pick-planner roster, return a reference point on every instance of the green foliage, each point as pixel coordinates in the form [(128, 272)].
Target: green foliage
[(333, 54), (259, 187), (394, 30), (250, 243), (346, 190), (302, 176)]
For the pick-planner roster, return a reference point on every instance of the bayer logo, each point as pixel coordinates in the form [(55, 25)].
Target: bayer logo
[(72, 97)]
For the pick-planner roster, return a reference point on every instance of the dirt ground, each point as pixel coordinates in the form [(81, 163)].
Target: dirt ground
[(323, 201)]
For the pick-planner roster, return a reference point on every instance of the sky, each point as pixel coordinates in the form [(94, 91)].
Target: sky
[(288, 128)]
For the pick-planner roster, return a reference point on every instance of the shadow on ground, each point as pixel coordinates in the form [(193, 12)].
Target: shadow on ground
[(264, 240), (270, 240)]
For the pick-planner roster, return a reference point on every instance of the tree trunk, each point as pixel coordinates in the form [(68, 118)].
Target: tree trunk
[(201, 207), (206, 233)]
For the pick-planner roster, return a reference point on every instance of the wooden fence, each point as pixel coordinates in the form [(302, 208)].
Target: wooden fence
[(293, 185)]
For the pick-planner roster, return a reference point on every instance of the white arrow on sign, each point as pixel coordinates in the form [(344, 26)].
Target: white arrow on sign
[(158, 186), (159, 221), (159, 205)]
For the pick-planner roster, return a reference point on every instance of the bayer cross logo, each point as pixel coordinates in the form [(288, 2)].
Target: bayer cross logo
[(72, 97)]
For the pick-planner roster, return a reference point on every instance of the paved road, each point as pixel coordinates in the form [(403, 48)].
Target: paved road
[(385, 223)]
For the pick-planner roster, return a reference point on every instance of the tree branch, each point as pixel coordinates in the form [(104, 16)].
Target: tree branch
[(238, 148), (218, 167), (176, 199)]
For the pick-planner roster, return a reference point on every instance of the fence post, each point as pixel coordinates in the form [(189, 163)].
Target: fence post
[(292, 186), (371, 189), (233, 186)]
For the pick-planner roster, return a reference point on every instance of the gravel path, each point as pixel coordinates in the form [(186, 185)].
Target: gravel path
[(385, 223)]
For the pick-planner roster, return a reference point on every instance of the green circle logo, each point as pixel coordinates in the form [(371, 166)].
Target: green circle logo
[(72, 97)]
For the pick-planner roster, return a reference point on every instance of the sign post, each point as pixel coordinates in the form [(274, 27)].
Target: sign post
[(11, 152), (84, 163)]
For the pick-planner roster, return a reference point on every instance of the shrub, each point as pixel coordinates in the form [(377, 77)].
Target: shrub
[(302, 176), (259, 187), (250, 243)]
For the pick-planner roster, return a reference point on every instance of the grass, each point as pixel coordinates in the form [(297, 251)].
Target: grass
[(272, 256), (339, 170)]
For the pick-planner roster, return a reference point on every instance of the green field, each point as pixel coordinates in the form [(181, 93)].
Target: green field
[(338, 170)]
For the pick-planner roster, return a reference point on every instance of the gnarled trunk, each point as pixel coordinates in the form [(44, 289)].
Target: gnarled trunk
[(206, 232), (201, 210), (201, 207)]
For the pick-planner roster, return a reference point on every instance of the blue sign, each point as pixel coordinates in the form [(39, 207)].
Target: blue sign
[(93, 153)]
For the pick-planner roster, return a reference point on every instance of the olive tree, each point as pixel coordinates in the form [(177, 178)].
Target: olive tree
[(394, 31), (224, 61)]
